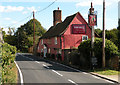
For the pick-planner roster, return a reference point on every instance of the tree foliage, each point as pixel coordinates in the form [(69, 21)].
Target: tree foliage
[(110, 49), (112, 35), (8, 57), (24, 35)]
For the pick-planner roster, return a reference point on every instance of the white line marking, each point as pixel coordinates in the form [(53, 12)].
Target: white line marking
[(109, 81), (45, 66), (21, 76), (72, 81), (57, 73), (96, 77), (66, 66), (84, 73), (37, 62)]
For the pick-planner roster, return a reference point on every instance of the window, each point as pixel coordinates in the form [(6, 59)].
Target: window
[(49, 50), (55, 40), (49, 41), (41, 50), (38, 47), (42, 42), (84, 37)]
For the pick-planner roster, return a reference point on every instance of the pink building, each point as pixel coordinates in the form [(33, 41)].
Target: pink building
[(64, 35)]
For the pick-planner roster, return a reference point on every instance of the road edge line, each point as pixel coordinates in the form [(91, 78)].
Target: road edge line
[(21, 76)]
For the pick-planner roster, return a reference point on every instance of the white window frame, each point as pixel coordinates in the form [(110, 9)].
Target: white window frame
[(49, 50), (55, 40), (41, 41), (38, 47), (84, 36), (41, 50)]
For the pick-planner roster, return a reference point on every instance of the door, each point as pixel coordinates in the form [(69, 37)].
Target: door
[(45, 50)]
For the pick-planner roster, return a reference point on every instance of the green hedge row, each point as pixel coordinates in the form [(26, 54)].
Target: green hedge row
[(8, 57), (82, 57), (111, 50)]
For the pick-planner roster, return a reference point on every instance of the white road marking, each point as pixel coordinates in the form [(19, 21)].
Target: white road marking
[(109, 81), (84, 73), (67, 66), (37, 62), (72, 81), (57, 73), (96, 77), (21, 76), (45, 66)]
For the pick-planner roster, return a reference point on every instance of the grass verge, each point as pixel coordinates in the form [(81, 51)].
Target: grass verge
[(11, 74), (106, 72)]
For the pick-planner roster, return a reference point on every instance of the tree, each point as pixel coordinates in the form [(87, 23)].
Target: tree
[(24, 35), (112, 35), (111, 50)]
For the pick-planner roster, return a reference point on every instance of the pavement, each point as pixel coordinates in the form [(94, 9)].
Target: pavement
[(114, 78), (37, 70)]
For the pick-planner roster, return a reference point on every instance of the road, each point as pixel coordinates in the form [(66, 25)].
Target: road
[(37, 70)]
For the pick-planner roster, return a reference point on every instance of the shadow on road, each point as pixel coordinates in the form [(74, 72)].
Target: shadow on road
[(51, 65)]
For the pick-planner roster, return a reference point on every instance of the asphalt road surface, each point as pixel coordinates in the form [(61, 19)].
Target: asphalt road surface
[(40, 71)]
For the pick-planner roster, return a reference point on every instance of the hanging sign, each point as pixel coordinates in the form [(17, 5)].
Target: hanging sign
[(92, 20)]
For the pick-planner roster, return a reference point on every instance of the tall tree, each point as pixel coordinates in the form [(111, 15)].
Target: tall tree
[(24, 34)]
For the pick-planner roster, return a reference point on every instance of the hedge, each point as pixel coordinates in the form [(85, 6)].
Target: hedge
[(111, 50), (8, 57)]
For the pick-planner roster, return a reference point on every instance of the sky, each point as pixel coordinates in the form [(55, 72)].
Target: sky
[(14, 13)]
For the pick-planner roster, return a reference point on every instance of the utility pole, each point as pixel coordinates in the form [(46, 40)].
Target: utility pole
[(33, 32), (103, 46)]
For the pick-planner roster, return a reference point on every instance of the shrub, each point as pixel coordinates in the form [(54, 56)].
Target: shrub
[(74, 58), (110, 50), (8, 57), (42, 54), (53, 56), (48, 55), (8, 54), (59, 57)]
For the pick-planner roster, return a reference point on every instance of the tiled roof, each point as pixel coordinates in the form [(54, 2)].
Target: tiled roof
[(59, 29)]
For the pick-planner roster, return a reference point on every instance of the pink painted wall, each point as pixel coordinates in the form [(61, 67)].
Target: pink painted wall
[(50, 44), (68, 39), (74, 40)]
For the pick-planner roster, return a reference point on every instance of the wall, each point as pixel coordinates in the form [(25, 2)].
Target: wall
[(50, 44), (74, 40)]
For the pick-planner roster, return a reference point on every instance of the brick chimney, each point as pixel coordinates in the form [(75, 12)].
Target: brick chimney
[(57, 16)]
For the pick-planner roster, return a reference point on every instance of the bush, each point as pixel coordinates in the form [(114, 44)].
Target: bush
[(53, 56), (42, 54), (8, 57), (59, 57), (8, 54), (74, 58), (48, 55), (111, 50)]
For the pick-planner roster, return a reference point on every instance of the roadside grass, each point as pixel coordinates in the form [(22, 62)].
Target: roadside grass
[(11, 74), (106, 72)]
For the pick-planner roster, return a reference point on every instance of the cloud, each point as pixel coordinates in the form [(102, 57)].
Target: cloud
[(95, 2), (7, 18), (25, 12), (11, 8), (31, 9)]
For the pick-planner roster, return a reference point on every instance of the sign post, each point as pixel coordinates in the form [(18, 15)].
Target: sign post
[(92, 21)]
